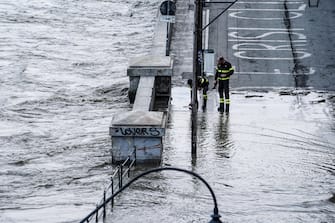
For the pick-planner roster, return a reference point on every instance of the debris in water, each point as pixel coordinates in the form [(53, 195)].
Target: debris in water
[(254, 96)]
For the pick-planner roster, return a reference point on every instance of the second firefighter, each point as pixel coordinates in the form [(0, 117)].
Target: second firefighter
[(202, 84)]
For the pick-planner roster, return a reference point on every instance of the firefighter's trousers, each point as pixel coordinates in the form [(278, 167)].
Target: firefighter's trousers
[(224, 95), (204, 96)]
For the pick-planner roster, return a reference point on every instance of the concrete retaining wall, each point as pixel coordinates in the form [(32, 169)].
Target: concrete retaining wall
[(143, 128)]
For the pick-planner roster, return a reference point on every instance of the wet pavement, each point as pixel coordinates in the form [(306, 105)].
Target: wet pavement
[(276, 43), (270, 159)]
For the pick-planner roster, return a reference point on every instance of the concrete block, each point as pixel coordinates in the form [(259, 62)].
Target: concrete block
[(139, 130), (150, 65)]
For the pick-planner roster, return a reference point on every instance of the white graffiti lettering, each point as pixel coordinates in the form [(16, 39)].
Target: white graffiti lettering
[(241, 54), (270, 3), (302, 7), (293, 15), (262, 46), (266, 29), (138, 131), (299, 36)]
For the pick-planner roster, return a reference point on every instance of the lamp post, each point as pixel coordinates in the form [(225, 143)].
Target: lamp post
[(197, 60), (215, 216)]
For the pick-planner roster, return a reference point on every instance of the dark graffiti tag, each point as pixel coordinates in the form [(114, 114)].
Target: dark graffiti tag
[(137, 131)]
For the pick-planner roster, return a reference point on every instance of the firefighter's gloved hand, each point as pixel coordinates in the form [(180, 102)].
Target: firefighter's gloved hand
[(214, 85)]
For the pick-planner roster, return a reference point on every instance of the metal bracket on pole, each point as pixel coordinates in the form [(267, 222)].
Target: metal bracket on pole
[(315, 3)]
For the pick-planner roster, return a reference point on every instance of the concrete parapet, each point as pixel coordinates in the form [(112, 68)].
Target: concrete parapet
[(149, 91), (139, 130), (143, 128), (150, 65), (160, 40)]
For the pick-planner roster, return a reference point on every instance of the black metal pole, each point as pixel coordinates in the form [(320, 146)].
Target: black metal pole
[(197, 57)]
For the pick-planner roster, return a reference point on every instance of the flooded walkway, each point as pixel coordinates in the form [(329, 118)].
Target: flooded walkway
[(270, 159)]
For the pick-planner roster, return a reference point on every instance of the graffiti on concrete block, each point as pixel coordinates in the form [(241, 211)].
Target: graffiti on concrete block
[(137, 131)]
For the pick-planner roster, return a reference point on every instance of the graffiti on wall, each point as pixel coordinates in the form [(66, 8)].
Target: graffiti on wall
[(137, 131)]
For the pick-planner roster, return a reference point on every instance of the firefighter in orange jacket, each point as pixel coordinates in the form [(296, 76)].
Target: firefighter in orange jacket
[(223, 72)]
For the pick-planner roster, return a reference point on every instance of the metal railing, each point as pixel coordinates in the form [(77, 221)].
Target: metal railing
[(118, 178), (215, 216)]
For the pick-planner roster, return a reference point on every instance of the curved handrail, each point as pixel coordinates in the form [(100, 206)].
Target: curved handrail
[(215, 216)]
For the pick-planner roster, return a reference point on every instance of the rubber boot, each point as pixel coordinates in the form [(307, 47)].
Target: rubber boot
[(221, 108), (204, 105), (227, 108)]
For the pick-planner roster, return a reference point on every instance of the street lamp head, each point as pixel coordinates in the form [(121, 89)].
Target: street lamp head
[(215, 218)]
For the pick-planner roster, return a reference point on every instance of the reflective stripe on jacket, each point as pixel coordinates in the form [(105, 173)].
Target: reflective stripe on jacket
[(223, 71)]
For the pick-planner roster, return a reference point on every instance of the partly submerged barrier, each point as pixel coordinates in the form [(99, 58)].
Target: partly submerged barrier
[(143, 128)]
